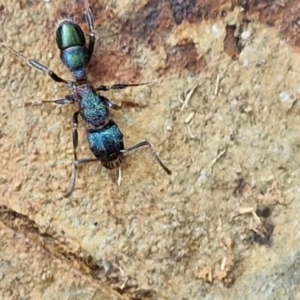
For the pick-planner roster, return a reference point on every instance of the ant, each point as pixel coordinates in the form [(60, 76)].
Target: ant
[(103, 135)]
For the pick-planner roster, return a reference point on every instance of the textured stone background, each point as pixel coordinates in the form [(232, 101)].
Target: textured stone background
[(222, 112)]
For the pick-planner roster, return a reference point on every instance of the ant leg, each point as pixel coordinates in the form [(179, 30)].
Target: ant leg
[(89, 18), (76, 162), (62, 101), (75, 145), (118, 86), (149, 145), (75, 166), (34, 64), (75, 134), (110, 104)]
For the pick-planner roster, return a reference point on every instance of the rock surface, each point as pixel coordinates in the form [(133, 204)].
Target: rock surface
[(222, 111)]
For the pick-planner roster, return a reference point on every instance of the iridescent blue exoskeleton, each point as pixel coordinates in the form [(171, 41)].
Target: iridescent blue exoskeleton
[(104, 136)]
